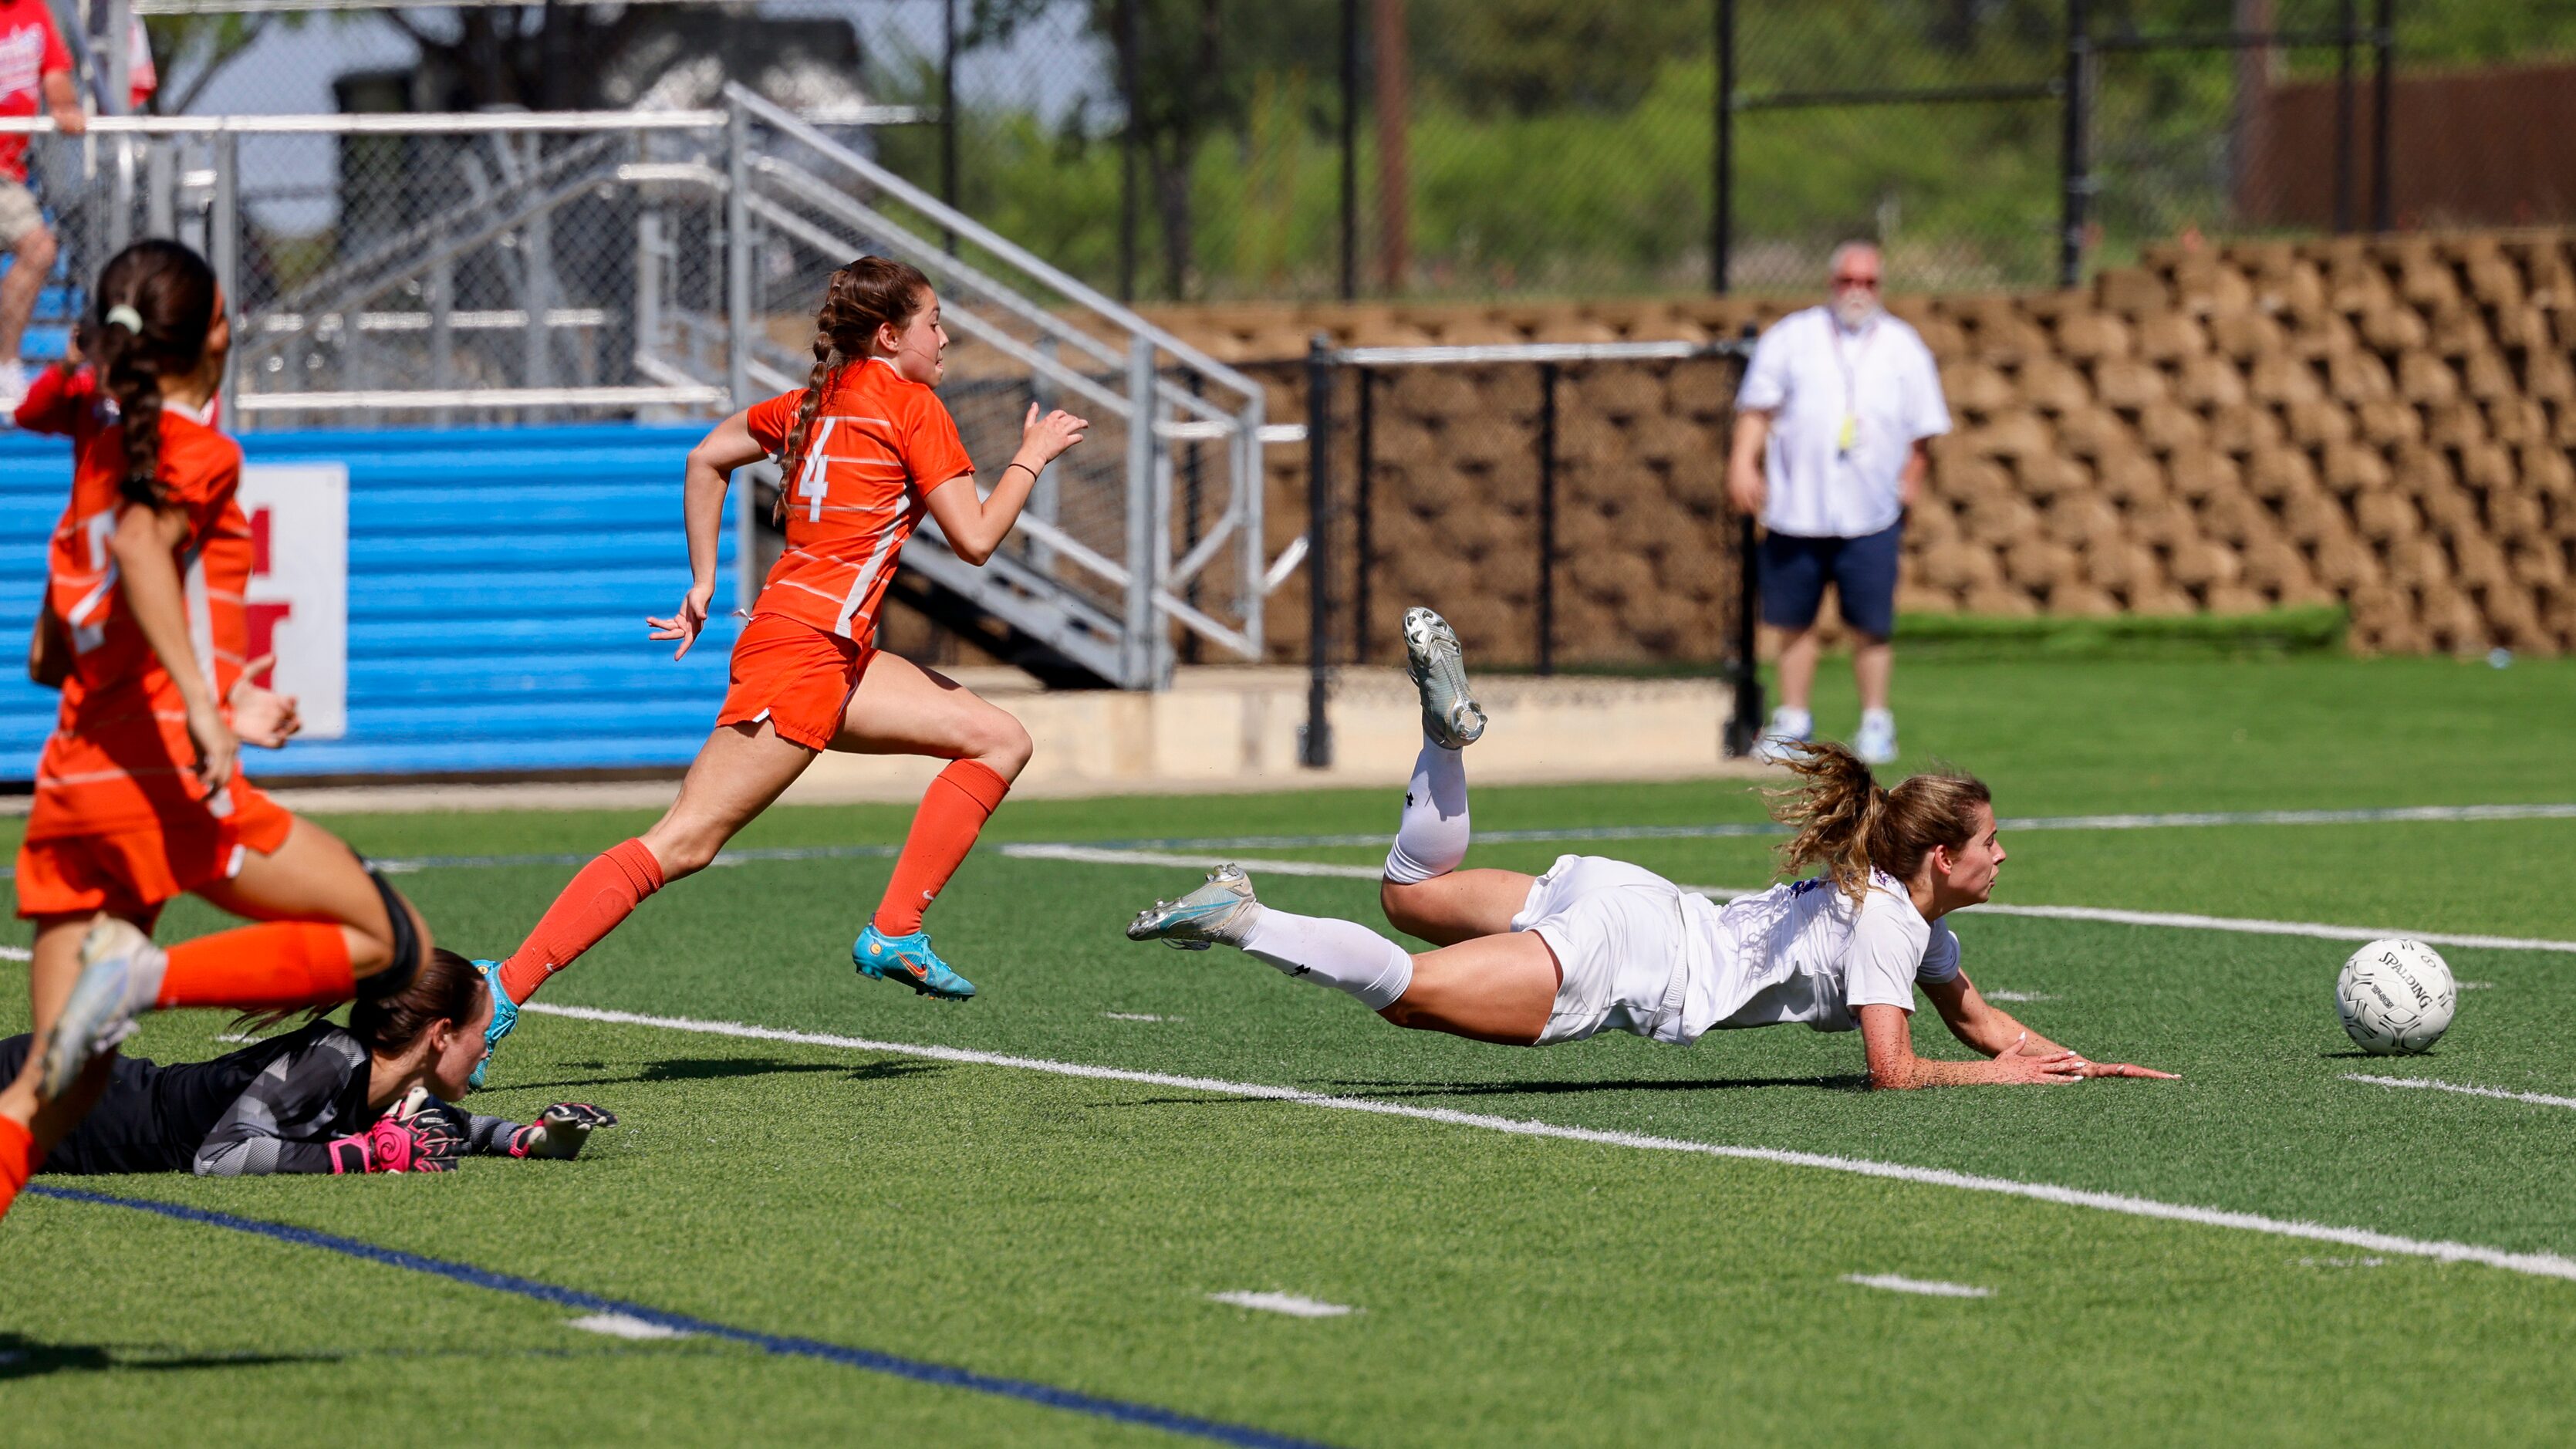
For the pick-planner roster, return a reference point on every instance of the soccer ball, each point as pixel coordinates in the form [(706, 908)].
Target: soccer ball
[(2395, 997)]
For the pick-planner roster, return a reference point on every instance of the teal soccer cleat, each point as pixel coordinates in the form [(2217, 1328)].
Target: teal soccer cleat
[(505, 1015), (910, 960)]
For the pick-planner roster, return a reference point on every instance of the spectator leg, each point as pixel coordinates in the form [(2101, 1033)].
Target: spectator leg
[(1873, 664), (18, 289), (1799, 649)]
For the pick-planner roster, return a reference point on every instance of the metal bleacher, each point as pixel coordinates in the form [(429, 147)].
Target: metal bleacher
[(490, 279), (498, 583)]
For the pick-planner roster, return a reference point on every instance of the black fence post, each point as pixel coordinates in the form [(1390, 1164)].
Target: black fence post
[(1350, 220), (2383, 207), (2075, 163), (1129, 90), (2343, 209), (1363, 512), (1315, 744), (1721, 223), (1547, 518), (1745, 729), (948, 115)]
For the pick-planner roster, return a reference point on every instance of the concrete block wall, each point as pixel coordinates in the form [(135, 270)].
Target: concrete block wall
[(2385, 422)]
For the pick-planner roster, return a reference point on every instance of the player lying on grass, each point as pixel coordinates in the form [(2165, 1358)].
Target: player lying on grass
[(866, 451), (360, 1098), (1596, 944)]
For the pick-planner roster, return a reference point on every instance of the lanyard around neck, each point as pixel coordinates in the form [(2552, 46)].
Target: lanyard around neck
[(1850, 367)]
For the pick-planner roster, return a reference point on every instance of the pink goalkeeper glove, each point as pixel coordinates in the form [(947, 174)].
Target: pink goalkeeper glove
[(400, 1141)]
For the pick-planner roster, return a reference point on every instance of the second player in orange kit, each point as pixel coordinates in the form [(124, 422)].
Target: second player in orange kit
[(139, 795), (866, 451)]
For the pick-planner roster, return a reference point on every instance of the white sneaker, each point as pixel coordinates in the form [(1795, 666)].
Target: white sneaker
[(1876, 742), (1789, 728), (13, 389)]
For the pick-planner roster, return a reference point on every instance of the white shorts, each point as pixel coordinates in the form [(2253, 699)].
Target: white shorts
[(1621, 939)]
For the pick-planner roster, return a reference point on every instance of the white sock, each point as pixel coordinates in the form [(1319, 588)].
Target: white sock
[(1792, 723), (1431, 838), (1343, 955), (1878, 718)]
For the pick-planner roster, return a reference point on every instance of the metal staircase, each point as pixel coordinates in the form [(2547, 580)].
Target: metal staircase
[(561, 266), (1096, 577)]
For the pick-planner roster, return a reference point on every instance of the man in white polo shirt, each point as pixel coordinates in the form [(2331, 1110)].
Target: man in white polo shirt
[(1843, 397)]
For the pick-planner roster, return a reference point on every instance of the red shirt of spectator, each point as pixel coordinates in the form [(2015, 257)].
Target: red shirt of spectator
[(30, 50)]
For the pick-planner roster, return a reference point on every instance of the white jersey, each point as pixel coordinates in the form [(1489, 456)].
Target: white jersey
[(1802, 951)]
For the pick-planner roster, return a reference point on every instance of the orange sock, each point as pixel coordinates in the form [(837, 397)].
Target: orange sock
[(953, 811), (273, 967), (17, 1160), (589, 908)]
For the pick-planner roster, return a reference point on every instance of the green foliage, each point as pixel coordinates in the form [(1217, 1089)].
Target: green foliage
[(2314, 629), (1567, 147)]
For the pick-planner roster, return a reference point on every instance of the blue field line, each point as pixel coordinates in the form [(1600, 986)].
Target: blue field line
[(873, 1360)]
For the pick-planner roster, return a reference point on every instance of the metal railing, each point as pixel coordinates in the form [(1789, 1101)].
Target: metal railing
[(495, 269)]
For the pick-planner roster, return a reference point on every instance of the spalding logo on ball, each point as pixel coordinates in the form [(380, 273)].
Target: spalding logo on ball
[(2395, 997)]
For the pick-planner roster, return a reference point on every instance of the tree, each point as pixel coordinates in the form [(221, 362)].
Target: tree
[(1197, 64)]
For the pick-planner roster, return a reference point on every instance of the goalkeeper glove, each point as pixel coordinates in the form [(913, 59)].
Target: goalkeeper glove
[(407, 1139), (560, 1131)]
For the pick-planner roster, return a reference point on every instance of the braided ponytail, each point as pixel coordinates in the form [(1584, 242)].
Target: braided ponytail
[(151, 317), (869, 293)]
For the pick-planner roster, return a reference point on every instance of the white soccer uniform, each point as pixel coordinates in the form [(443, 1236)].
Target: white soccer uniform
[(1642, 955)]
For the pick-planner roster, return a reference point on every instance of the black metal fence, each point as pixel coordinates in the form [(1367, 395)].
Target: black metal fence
[(1216, 149), (1211, 150)]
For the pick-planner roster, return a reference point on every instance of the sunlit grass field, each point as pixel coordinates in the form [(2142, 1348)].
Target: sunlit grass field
[(882, 1219)]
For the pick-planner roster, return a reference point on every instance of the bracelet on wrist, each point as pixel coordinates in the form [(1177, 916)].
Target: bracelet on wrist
[(1016, 463)]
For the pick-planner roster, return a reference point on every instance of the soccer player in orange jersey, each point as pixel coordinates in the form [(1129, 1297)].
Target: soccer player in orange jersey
[(865, 451), (139, 794)]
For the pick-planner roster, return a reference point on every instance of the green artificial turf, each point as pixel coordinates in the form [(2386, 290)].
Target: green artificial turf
[(1509, 1289)]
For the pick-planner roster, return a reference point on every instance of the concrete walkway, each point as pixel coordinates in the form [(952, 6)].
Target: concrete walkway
[(1216, 731)]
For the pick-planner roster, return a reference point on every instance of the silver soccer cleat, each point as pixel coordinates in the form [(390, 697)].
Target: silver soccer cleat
[(120, 977), (1221, 910), (1450, 714)]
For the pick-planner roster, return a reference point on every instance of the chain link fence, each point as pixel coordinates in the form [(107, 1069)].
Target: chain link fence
[(1294, 149)]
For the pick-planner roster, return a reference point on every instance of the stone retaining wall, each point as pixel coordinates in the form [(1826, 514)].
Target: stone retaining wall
[(2384, 422)]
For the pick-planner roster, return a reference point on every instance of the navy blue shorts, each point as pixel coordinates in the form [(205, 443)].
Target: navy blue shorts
[(1863, 570)]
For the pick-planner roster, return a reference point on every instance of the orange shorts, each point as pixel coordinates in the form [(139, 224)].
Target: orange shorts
[(133, 870), (796, 677)]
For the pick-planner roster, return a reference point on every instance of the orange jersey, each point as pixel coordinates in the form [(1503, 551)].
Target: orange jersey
[(119, 754), (879, 444)]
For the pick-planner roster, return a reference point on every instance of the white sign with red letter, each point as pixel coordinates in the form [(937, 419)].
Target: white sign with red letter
[(299, 585)]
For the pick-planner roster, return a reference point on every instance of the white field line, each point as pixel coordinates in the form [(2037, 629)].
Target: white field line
[(1925, 1286), (2540, 1265), (1090, 855), (1735, 830), (2257, 927), (1294, 1305), (619, 1325), (2017, 996), (16, 953), (2537, 1099)]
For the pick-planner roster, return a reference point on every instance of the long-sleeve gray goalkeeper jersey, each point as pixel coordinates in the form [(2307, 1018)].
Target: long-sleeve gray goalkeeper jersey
[(302, 1098)]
